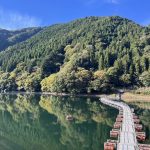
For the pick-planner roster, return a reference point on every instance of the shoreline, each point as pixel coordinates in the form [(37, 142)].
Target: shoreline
[(55, 94), (126, 96)]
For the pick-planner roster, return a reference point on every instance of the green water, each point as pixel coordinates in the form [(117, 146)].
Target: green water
[(36, 122), (142, 109)]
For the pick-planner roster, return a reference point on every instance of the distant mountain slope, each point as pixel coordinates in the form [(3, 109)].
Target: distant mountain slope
[(93, 30), (117, 46), (9, 38)]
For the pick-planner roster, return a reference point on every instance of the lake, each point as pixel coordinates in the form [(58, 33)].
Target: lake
[(38, 122)]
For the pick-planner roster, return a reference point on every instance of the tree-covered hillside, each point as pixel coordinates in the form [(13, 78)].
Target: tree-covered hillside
[(94, 54), (9, 38)]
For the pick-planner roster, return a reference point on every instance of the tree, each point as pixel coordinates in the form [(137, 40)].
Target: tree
[(112, 76), (48, 66), (47, 83), (125, 80), (98, 81), (145, 64), (101, 63), (145, 78)]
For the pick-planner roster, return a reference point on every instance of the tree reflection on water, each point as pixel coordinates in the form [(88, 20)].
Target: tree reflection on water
[(29, 122)]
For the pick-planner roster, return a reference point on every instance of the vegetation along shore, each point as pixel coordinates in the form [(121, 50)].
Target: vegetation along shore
[(89, 55)]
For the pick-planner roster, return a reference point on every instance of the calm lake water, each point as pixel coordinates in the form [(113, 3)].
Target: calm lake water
[(142, 109), (37, 122)]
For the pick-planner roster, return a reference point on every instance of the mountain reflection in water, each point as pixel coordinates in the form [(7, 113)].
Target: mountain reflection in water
[(29, 122)]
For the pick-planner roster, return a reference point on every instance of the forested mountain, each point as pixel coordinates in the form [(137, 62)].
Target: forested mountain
[(94, 54), (9, 38)]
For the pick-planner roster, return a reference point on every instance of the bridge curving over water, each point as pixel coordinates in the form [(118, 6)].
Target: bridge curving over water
[(126, 133)]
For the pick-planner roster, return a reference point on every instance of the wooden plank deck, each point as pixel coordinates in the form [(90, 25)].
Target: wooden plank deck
[(127, 138)]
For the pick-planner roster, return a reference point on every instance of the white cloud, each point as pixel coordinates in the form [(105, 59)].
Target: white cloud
[(13, 20)]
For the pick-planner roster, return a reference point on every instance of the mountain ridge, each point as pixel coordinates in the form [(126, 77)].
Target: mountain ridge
[(10, 38), (84, 45)]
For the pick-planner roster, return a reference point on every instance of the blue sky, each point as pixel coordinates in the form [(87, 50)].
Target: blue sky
[(16, 14)]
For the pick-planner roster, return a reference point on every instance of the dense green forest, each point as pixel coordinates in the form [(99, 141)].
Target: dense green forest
[(9, 38), (89, 55)]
